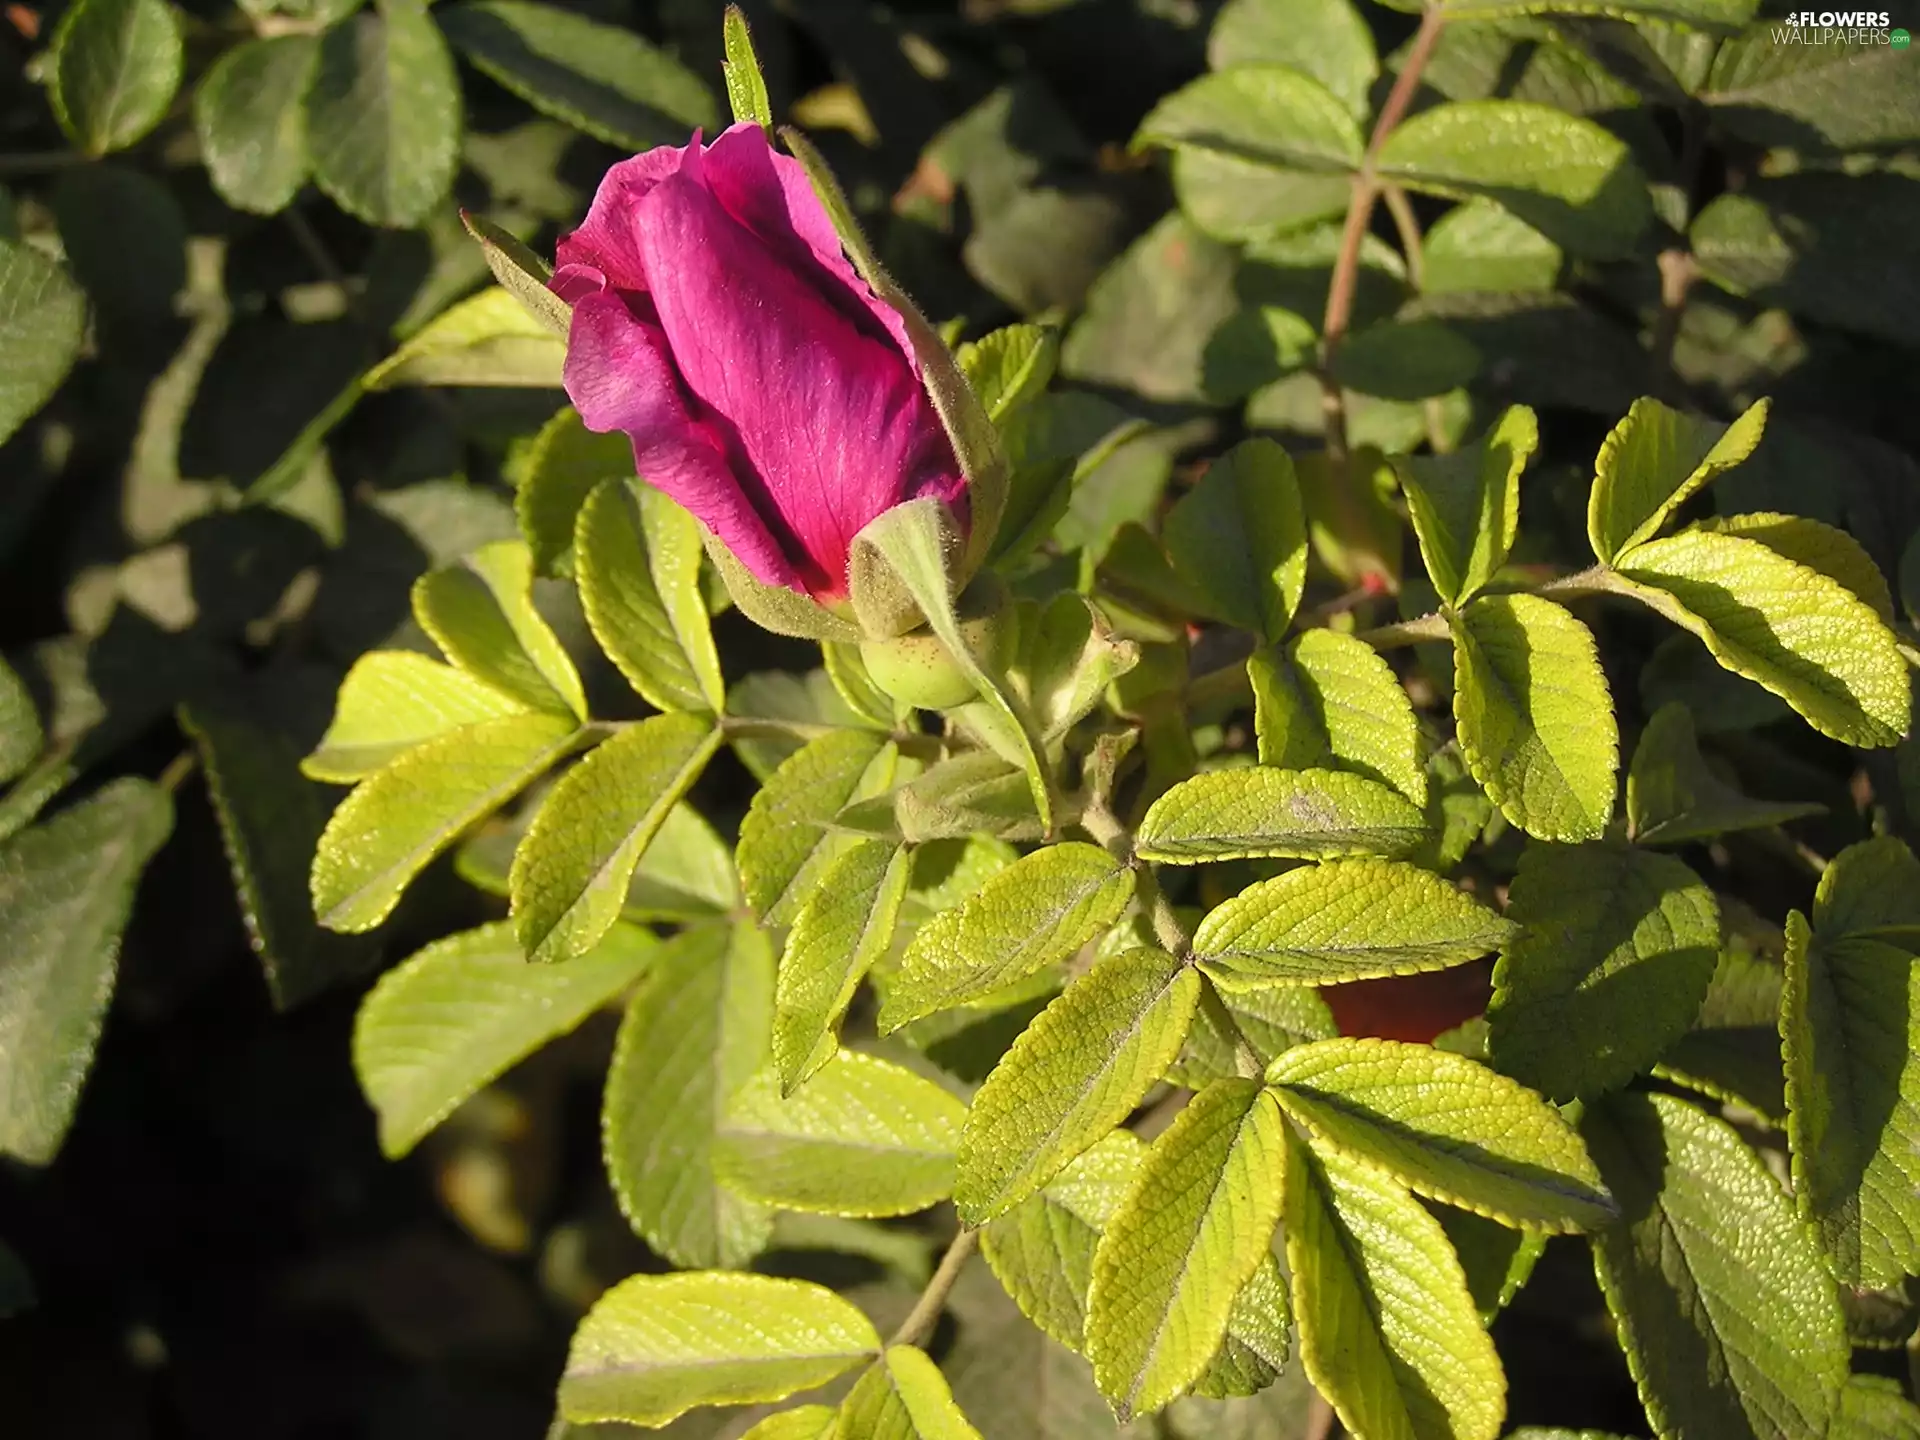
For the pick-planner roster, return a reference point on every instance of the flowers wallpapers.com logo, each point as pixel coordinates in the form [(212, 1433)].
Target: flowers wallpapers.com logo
[(1840, 27)]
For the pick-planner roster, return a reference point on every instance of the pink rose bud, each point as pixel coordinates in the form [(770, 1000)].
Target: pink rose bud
[(765, 388)]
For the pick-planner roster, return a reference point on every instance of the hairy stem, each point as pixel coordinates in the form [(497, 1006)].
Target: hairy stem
[(925, 1314), (1366, 190), (178, 770)]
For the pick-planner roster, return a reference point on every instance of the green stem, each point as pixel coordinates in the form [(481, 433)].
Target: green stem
[(1408, 632), (925, 1314)]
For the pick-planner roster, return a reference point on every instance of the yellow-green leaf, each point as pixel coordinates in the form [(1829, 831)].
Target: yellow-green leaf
[(902, 1397), (1260, 811), (393, 700), (1332, 702), (486, 340), (1655, 460), (655, 1346), (480, 612), (1466, 505), (784, 844), (562, 466)]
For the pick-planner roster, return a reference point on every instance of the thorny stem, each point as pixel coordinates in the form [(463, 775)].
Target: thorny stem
[(925, 1314), (1366, 189)]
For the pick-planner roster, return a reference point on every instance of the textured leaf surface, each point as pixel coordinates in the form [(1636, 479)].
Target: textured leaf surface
[(861, 1137), (784, 846), (21, 734), (840, 932), (602, 79), (1194, 1226), (1239, 537), (395, 822), (42, 318), (1073, 1075), (1466, 506), (1308, 814), (1564, 175), (458, 1014), (66, 888), (250, 113), (487, 340), (115, 67), (1010, 367), (1733, 1051), (1831, 551), (393, 700), (1344, 920), (803, 1422), (1853, 1090), (694, 1034), (383, 117), (562, 466), (1674, 796), (1727, 1315), (655, 1346), (1333, 702), (1873, 1407), (1038, 911), (1387, 1327), (1446, 1126), (1326, 39), (1042, 1249), (1478, 247), (639, 569), (1846, 94), (903, 1397), (480, 613), (1617, 946), (1652, 463), (1271, 115), (1535, 716), (1803, 636), (571, 872)]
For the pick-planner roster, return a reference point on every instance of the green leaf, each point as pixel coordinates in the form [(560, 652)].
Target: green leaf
[(1193, 1228), (1074, 1074), (1069, 655), (694, 1034), (1873, 1407), (1568, 178), (113, 71), (1498, 1261), (383, 116), (460, 1013), (903, 1397), (746, 90), (1479, 247), (1674, 796), (270, 818), (1842, 94), (1728, 1318), (1853, 1096), (1250, 813), (395, 822), (1388, 1329), (601, 79), (638, 561), (846, 925), (1446, 1126), (42, 321), (784, 844), (1803, 636), (562, 467), (480, 613), (1344, 920), (521, 273), (1617, 946), (1270, 1020), (655, 1346), (1652, 463), (1831, 551), (803, 1422), (1268, 114), (1535, 717), (1326, 39), (250, 113), (66, 889), (1037, 912), (392, 701), (1151, 313), (861, 1137), (1406, 359), (571, 872), (1333, 702), (1733, 1051), (1010, 367), (1466, 505), (1239, 538), (486, 340), (1042, 1249), (21, 736), (1875, 893)]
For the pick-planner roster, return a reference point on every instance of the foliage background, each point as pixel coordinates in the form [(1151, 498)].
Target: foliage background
[(220, 1248)]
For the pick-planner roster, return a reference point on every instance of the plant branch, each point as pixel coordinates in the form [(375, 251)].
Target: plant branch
[(178, 770), (925, 1314), (1407, 224), (1366, 189), (1678, 271), (1408, 632)]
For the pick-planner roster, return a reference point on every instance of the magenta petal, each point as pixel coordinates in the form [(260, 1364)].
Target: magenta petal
[(831, 418), (619, 377), (771, 195), (605, 240)]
